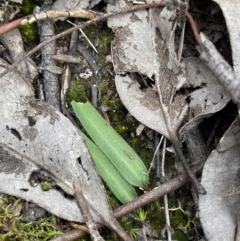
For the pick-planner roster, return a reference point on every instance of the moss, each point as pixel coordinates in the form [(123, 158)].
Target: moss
[(12, 228), (78, 91), (101, 37), (104, 86), (46, 186), (29, 33), (27, 7), (105, 39), (180, 236)]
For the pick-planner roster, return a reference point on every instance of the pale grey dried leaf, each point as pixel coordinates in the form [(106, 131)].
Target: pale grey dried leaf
[(70, 4), (17, 1), (35, 134), (32, 68), (130, 53), (208, 96), (191, 92), (14, 179), (230, 11), (144, 106), (221, 178), (74, 4), (13, 42), (173, 4), (137, 48)]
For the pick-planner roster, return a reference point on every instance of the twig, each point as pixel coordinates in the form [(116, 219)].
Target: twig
[(166, 209), (95, 20), (95, 95), (158, 165), (12, 25), (141, 201), (157, 192), (43, 15), (155, 154), (83, 206), (173, 135), (67, 74), (80, 227), (220, 68), (186, 167), (194, 28), (89, 58), (85, 36), (65, 85)]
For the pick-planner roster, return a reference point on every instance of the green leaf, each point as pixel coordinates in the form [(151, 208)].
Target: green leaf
[(117, 184), (119, 152)]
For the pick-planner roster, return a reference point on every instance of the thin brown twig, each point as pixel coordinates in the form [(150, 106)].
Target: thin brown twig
[(10, 26), (141, 201), (85, 210), (194, 28), (98, 19), (185, 165), (79, 227)]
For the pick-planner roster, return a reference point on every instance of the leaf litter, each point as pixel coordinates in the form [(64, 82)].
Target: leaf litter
[(193, 94), (180, 98), (36, 135), (189, 94)]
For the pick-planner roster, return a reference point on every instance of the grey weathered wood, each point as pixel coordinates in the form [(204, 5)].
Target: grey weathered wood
[(220, 68), (50, 79)]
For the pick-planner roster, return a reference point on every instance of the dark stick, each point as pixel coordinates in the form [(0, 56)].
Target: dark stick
[(141, 201), (67, 75), (83, 206), (194, 28), (89, 58), (50, 80), (186, 167)]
